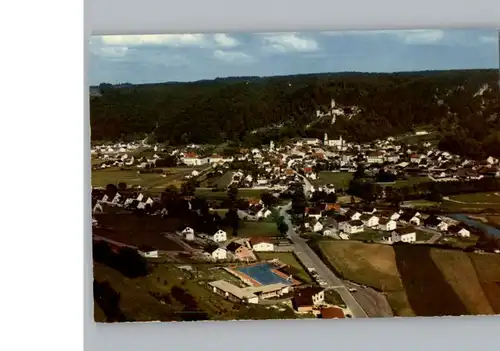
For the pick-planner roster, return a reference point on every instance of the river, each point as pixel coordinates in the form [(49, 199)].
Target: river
[(488, 229)]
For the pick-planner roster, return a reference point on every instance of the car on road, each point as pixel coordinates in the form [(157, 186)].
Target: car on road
[(352, 289)]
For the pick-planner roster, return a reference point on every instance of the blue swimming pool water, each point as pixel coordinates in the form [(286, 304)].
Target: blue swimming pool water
[(262, 273)]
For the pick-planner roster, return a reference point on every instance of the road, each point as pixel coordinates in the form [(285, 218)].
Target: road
[(435, 234), (311, 260)]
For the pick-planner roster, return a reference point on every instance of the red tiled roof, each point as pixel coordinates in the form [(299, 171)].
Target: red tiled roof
[(332, 312), (190, 155)]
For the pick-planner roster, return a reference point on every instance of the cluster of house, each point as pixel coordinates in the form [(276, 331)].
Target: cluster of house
[(331, 220), (423, 161), (242, 249), (139, 201)]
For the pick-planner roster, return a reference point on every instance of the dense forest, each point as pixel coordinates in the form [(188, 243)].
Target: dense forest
[(461, 105)]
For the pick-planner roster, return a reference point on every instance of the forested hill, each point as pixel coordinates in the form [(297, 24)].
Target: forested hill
[(462, 105)]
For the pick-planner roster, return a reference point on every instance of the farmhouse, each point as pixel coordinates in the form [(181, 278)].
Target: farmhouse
[(240, 251), (406, 235), (218, 253), (351, 227), (387, 224), (188, 233), (369, 220), (353, 214), (219, 236), (261, 244), (306, 299), (459, 231)]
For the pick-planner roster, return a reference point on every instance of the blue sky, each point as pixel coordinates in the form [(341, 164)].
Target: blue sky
[(188, 57)]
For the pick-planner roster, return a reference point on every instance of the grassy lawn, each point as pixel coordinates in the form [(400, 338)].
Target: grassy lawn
[(400, 183), (251, 193), (366, 264), (459, 242), (289, 259), (257, 228), (451, 206), (338, 179), (421, 203), (222, 194), (368, 234), (423, 236), (491, 197), (148, 181), (333, 297), (221, 181)]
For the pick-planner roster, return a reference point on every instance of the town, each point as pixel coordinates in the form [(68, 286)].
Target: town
[(307, 228)]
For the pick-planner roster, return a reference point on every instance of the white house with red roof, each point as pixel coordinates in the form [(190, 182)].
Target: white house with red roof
[(193, 159)]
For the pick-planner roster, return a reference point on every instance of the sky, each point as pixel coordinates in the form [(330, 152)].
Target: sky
[(190, 57)]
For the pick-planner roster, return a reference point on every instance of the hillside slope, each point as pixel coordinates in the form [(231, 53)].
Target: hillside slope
[(419, 280), (230, 109)]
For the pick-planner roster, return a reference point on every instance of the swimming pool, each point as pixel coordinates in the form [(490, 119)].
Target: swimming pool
[(263, 274)]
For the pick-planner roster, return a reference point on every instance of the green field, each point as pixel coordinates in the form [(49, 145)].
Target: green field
[(400, 183), (148, 181), (256, 228), (489, 197), (289, 259), (423, 236), (243, 193), (338, 179), (368, 234), (419, 280), (221, 181)]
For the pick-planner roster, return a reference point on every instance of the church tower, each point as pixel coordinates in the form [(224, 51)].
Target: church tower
[(325, 139)]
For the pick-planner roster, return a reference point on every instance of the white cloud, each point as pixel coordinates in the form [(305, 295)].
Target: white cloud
[(175, 40), (423, 36), (112, 51), (233, 56), (410, 36), (225, 41), (290, 42), (488, 39)]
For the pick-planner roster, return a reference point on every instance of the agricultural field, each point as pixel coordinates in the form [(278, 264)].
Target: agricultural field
[(419, 280), (256, 228), (171, 294), (400, 183), (289, 259), (244, 193), (221, 181), (152, 182), (369, 234), (132, 230), (459, 242), (480, 198), (338, 179)]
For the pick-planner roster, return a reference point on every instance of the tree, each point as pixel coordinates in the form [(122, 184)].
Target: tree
[(111, 190), (360, 172), (122, 186), (188, 188), (299, 202), (282, 226), (268, 199), (232, 193), (233, 220)]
